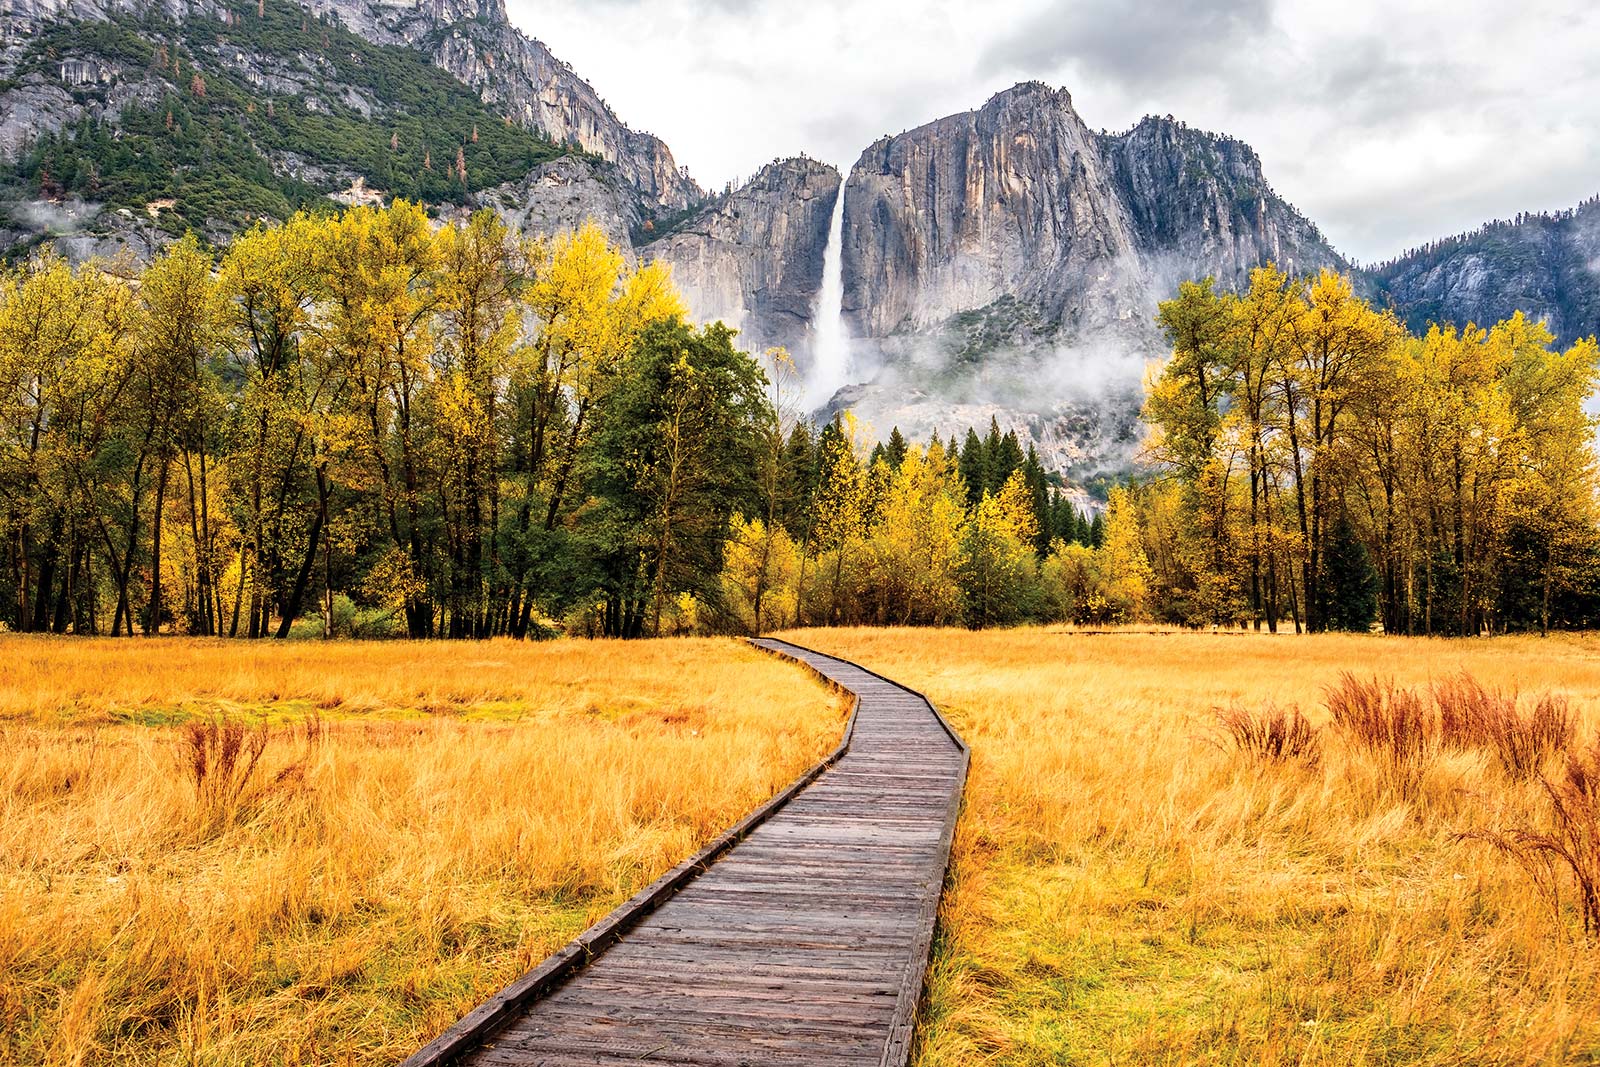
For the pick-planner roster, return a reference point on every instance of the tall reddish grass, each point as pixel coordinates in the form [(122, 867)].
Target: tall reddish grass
[(1568, 841), (1404, 727), (1274, 734)]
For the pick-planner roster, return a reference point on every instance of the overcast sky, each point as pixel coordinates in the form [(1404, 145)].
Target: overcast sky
[(1385, 121)]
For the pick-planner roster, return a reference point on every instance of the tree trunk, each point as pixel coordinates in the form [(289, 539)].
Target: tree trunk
[(302, 578), (153, 614)]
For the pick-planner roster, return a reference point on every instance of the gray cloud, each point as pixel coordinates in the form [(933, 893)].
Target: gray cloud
[(1133, 45)]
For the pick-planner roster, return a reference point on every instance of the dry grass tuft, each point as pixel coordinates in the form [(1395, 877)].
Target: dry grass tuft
[(221, 756), (1404, 728), (1472, 715), (1396, 726), (1273, 734), (1568, 842)]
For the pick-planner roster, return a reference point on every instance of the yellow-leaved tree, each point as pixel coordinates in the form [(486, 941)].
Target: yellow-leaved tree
[(915, 545), (1124, 569), (272, 280), (999, 571), (759, 575)]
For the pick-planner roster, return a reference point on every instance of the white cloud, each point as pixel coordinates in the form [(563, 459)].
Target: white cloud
[(1388, 122)]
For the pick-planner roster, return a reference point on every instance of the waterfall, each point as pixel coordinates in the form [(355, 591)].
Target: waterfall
[(830, 346)]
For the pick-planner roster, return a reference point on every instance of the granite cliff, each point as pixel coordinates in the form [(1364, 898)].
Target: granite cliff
[(753, 257), (1008, 262)]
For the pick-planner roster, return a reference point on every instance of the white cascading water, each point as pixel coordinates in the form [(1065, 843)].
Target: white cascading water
[(830, 348)]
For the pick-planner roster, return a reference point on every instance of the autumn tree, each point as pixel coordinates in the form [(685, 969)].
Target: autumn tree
[(998, 570), (179, 334), (271, 282), (914, 547)]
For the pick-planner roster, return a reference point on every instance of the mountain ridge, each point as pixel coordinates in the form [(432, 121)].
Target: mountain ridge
[(264, 80), (1545, 264)]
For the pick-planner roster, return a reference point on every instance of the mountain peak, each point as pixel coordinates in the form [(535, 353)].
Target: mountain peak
[(1030, 93)]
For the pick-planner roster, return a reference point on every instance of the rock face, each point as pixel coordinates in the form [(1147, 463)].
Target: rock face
[(1009, 200), (1199, 204), (1020, 201), (1009, 260), (1547, 266), (754, 258), (560, 196), (518, 76)]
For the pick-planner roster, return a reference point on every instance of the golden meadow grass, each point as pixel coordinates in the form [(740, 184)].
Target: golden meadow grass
[(425, 823), (1127, 889)]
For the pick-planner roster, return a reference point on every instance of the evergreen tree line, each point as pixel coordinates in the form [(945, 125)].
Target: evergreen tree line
[(1322, 467), (1488, 229), (370, 424)]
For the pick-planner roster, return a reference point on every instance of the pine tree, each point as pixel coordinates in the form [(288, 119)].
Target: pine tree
[(974, 466), (896, 448), (1039, 498), (1349, 586), (1004, 461)]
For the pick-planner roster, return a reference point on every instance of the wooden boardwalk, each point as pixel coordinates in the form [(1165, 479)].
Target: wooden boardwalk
[(799, 937)]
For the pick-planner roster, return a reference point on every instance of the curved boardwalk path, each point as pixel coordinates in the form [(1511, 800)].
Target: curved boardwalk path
[(799, 937)]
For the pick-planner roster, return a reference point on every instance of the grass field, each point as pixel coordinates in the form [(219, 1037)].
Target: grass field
[(401, 828), (1128, 889)]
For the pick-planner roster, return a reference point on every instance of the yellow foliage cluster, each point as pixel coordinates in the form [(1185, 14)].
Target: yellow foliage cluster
[(188, 441), (1332, 468), (901, 542)]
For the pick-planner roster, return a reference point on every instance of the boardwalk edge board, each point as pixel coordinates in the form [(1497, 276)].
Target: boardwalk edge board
[(898, 1051), (481, 1027), (479, 1024)]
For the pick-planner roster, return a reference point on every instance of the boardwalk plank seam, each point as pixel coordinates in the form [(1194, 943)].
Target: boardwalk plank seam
[(875, 819)]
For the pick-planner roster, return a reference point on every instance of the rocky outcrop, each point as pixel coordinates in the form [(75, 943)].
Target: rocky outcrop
[(30, 108), (753, 258), (1010, 200), (1545, 265), (560, 196), (518, 76), (1200, 204), (1020, 201), (1009, 261)]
